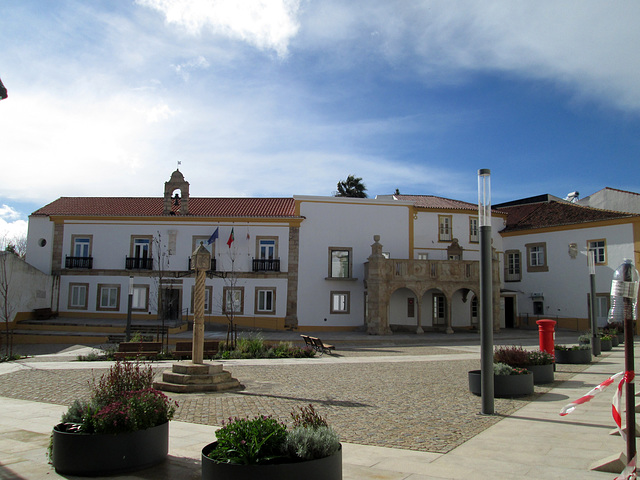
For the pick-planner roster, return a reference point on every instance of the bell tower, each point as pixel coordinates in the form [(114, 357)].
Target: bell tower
[(176, 182)]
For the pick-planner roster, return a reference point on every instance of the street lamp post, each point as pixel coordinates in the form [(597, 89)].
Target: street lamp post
[(595, 339), (129, 307), (486, 291)]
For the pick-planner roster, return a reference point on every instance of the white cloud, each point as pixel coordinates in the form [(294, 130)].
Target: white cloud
[(587, 46), (265, 24), (11, 227), (184, 69), (8, 213)]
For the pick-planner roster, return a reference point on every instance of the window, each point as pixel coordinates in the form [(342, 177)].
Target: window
[(439, 308), (474, 311), (339, 302), (267, 247), (411, 307), (78, 296), (473, 230), (423, 256), (81, 246), (339, 262), (444, 234), (267, 253), (141, 247), (234, 300), (600, 249), (108, 297), (265, 300), (208, 295), (140, 298), (537, 257), (512, 266), (538, 307)]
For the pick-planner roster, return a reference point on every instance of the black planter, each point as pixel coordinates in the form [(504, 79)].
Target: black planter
[(328, 468), (573, 356), (107, 454), (503, 385), (541, 373), (614, 340), (606, 345)]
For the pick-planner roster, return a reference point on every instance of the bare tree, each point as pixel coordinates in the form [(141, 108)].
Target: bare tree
[(7, 305)]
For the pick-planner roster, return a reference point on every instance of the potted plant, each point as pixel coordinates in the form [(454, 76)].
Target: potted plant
[(123, 427), (605, 343), (537, 362), (508, 381), (613, 333), (573, 354), (263, 448), (541, 364), (584, 339)]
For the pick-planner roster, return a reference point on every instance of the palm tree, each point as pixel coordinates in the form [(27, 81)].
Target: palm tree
[(351, 187)]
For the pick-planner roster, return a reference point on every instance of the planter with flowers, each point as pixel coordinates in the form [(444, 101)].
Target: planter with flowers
[(573, 354), (507, 381), (263, 448), (123, 427), (606, 343), (537, 362)]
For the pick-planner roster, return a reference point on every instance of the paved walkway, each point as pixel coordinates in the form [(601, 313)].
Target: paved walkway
[(393, 393)]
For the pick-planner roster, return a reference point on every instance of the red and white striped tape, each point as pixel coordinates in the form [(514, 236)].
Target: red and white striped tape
[(629, 473), (615, 404), (567, 409)]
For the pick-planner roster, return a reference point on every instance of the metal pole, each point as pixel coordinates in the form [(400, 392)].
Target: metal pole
[(595, 339), (486, 323), (129, 307), (629, 367), (486, 292)]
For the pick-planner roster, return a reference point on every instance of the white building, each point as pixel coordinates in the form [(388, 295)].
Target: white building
[(94, 245), (396, 262), (546, 243)]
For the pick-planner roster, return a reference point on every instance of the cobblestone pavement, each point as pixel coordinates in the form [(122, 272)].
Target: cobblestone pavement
[(423, 406)]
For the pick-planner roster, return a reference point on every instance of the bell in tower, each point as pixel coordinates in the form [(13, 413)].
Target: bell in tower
[(176, 182)]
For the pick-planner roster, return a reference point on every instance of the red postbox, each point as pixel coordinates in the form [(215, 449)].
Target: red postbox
[(546, 330)]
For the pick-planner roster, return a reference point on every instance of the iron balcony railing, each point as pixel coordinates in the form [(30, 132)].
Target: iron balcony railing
[(136, 263), (78, 262), (213, 265), (266, 264)]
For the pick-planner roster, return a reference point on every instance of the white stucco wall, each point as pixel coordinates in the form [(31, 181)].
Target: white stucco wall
[(29, 288), (39, 243), (349, 223), (566, 284)]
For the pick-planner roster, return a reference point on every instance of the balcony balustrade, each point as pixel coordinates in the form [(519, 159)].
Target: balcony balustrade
[(136, 263), (266, 264), (78, 262)]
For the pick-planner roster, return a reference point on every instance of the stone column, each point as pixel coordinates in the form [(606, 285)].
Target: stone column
[(202, 263), (419, 312)]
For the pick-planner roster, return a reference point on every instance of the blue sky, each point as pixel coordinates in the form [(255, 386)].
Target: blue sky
[(284, 97)]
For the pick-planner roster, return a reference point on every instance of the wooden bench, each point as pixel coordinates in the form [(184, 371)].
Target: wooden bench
[(317, 344), (185, 349), (138, 349), (43, 313)]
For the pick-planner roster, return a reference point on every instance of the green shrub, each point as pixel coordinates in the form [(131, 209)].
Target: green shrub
[(249, 441), (537, 357), (311, 443)]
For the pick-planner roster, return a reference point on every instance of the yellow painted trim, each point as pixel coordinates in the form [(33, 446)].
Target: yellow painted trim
[(240, 221), (575, 226)]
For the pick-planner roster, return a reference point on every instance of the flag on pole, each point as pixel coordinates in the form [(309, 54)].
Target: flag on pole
[(231, 239), (213, 237)]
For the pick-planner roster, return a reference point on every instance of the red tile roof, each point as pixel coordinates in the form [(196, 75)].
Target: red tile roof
[(148, 206), (554, 214), (431, 201)]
